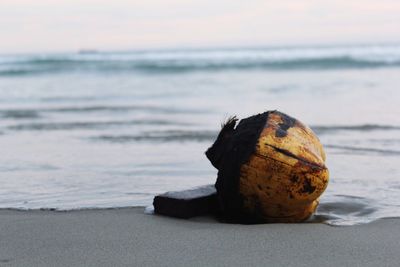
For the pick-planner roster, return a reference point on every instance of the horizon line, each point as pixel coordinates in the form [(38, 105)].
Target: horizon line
[(203, 48)]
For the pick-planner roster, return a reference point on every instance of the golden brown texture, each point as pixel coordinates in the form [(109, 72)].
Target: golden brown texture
[(286, 174)]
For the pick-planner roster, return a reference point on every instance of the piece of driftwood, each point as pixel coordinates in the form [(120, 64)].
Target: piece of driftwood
[(187, 203)]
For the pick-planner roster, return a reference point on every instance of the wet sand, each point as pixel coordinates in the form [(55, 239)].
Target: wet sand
[(128, 237)]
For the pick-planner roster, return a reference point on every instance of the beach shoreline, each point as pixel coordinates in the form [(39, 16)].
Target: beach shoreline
[(129, 237)]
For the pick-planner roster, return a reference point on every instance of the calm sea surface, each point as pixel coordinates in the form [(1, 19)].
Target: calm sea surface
[(80, 130)]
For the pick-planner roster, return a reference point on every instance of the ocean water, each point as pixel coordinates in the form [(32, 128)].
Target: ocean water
[(112, 129)]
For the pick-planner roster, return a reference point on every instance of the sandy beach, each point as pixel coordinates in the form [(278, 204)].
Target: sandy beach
[(249, 111), (128, 237)]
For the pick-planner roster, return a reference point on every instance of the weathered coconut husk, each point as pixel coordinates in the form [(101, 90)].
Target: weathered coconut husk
[(270, 169)]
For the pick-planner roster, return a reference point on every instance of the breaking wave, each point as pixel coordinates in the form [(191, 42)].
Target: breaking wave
[(161, 136), (359, 128), (204, 60)]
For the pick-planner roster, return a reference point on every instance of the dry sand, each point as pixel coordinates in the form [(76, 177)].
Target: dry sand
[(128, 237)]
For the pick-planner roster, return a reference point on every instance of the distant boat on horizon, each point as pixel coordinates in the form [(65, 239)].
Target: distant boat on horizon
[(88, 51)]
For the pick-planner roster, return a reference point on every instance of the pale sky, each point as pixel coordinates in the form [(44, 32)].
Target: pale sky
[(70, 25)]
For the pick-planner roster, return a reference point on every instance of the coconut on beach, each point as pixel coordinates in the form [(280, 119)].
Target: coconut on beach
[(271, 168)]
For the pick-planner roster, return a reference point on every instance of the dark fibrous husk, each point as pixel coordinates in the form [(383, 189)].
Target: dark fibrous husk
[(229, 152)]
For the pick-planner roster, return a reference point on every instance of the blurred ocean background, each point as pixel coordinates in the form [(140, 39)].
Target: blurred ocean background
[(112, 129)]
